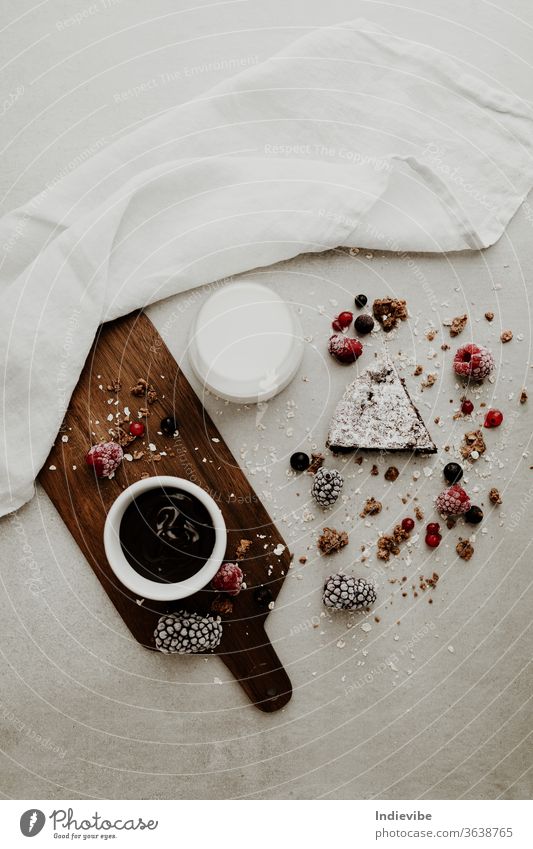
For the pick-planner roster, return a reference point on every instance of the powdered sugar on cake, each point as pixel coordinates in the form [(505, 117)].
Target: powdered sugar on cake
[(376, 412)]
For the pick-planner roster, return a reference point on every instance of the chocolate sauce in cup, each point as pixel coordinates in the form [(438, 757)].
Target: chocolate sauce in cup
[(165, 538), (167, 535)]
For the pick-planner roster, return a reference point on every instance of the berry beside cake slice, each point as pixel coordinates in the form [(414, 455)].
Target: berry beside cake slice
[(376, 413)]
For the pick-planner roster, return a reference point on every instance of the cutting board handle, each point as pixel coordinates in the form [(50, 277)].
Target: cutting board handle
[(259, 671)]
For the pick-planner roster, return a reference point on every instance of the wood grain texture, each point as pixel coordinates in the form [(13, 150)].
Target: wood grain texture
[(126, 350)]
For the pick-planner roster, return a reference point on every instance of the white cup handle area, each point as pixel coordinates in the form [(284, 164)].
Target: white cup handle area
[(143, 587)]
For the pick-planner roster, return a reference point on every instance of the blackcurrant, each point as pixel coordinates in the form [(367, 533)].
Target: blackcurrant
[(263, 596), (300, 461), (452, 472), (361, 301), (474, 516), (169, 426)]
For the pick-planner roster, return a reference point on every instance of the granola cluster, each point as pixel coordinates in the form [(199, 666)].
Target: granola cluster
[(371, 507), (332, 540), (389, 312), (473, 445)]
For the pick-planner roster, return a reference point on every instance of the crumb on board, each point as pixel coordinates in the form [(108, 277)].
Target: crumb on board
[(222, 605), (391, 474), (242, 549), (506, 336), (523, 396), (494, 496), (489, 316), (418, 370)]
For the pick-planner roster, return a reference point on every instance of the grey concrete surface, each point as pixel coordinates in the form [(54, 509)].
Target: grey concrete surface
[(434, 700)]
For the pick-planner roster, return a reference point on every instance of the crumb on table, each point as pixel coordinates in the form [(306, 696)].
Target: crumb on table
[(464, 549), (494, 496), (371, 507), (332, 540), (458, 324)]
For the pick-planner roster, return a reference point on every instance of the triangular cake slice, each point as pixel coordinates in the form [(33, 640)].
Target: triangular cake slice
[(376, 413)]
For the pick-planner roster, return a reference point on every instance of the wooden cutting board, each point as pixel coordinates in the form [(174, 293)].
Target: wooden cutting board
[(124, 351)]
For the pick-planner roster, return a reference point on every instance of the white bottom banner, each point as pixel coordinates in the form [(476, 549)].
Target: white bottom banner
[(240, 823)]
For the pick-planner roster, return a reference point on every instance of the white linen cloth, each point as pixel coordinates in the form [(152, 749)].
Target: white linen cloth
[(351, 136)]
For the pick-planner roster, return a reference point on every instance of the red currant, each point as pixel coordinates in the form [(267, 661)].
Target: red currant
[(408, 524), (433, 540), (137, 429), (343, 321), (467, 407), (433, 528), (493, 418)]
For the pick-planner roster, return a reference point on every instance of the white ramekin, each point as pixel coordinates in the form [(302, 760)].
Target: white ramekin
[(143, 587)]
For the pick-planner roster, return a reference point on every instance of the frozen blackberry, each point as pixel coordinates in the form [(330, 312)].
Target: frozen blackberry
[(187, 633), (327, 485), (344, 592)]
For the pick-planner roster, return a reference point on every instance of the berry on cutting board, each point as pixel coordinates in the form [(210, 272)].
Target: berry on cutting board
[(344, 349), (452, 472), (453, 501), (433, 528), (228, 579), (473, 361), (494, 418), (300, 461), (137, 428), (408, 524), (169, 426), (467, 407), (364, 324), (263, 596), (105, 458), (361, 301), (342, 321)]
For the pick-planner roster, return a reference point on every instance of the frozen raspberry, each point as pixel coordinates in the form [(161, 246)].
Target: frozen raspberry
[(228, 579), (137, 428), (342, 321), (453, 501), (344, 349), (493, 418), (105, 458), (473, 361)]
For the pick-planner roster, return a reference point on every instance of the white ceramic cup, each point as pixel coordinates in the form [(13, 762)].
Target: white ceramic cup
[(143, 587)]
